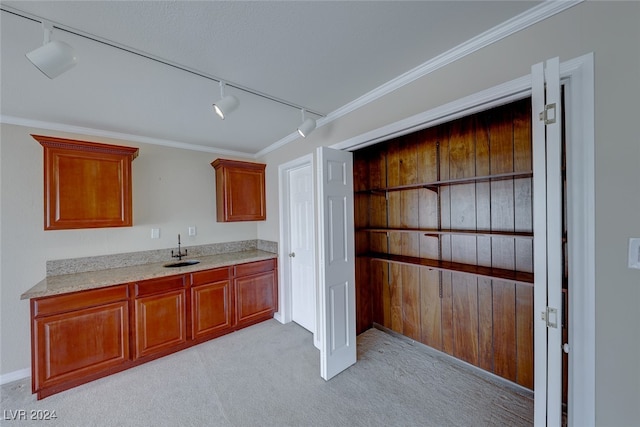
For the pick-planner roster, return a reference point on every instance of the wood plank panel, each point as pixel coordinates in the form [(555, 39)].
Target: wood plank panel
[(524, 336), (364, 297), (448, 345), (462, 148), (395, 297), (377, 169), (501, 139), (430, 309), (504, 330), (411, 287), (482, 146), (380, 301), (523, 221), (393, 163), (361, 170), (502, 219), (408, 160), (485, 324), (411, 302), (465, 317), (427, 142), (522, 140)]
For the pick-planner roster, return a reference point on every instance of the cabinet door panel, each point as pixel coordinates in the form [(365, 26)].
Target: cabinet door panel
[(160, 322), (75, 344), (211, 309), (255, 298)]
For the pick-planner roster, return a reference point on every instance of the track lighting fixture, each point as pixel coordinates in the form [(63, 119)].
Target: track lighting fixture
[(53, 57), (307, 126), (226, 104)]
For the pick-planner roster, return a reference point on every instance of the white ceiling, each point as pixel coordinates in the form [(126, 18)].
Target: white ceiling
[(321, 55)]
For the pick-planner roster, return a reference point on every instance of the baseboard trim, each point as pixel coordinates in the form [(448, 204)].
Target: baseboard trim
[(15, 376), (488, 376)]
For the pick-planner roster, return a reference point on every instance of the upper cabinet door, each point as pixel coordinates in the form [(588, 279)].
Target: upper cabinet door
[(240, 192), (86, 184)]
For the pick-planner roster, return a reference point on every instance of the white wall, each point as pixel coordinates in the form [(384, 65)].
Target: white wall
[(611, 31), (172, 190)]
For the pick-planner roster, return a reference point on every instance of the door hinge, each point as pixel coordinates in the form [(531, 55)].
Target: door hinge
[(550, 316), (548, 116)]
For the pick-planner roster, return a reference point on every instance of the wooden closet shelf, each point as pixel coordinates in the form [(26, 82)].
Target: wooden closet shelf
[(456, 267), (436, 232), (435, 184)]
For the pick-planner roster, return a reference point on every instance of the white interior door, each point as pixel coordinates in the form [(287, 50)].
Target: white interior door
[(301, 246), (336, 261), (547, 193)]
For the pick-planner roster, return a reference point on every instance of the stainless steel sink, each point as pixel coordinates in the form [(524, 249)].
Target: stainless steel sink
[(183, 263)]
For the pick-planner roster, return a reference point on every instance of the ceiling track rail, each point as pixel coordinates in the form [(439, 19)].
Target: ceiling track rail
[(157, 59)]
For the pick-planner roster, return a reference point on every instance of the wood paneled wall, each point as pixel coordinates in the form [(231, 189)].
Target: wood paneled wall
[(486, 321)]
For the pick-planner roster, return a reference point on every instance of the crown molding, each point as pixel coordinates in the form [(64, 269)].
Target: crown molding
[(526, 19), (61, 127)]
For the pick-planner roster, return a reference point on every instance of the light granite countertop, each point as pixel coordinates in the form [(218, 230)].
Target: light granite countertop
[(56, 285)]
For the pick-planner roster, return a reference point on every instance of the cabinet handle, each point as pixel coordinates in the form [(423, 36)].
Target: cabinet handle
[(292, 255)]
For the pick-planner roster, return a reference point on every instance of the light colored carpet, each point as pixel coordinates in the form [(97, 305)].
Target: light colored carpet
[(269, 374)]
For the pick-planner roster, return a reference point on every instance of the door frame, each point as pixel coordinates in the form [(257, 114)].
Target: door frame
[(577, 75), (284, 314)]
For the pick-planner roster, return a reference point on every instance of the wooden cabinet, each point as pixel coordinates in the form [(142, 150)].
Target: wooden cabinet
[(444, 235), (160, 315), (86, 184), (240, 191), (77, 336), (255, 292), (211, 303), (81, 336)]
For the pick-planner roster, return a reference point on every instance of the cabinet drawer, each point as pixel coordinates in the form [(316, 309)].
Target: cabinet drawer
[(155, 286), (209, 276), (77, 300), (255, 267)]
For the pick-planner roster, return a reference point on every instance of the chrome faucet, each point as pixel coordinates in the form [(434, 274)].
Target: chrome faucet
[(179, 255)]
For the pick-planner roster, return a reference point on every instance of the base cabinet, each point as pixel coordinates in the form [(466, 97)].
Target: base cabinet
[(79, 335), (255, 288), (160, 308), (211, 303), (82, 336)]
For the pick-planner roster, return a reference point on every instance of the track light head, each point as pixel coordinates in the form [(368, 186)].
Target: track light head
[(307, 126), (226, 104), (53, 57)]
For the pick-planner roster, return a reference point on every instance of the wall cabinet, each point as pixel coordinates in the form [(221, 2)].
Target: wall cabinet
[(86, 184), (78, 335), (444, 222), (85, 335), (240, 190)]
